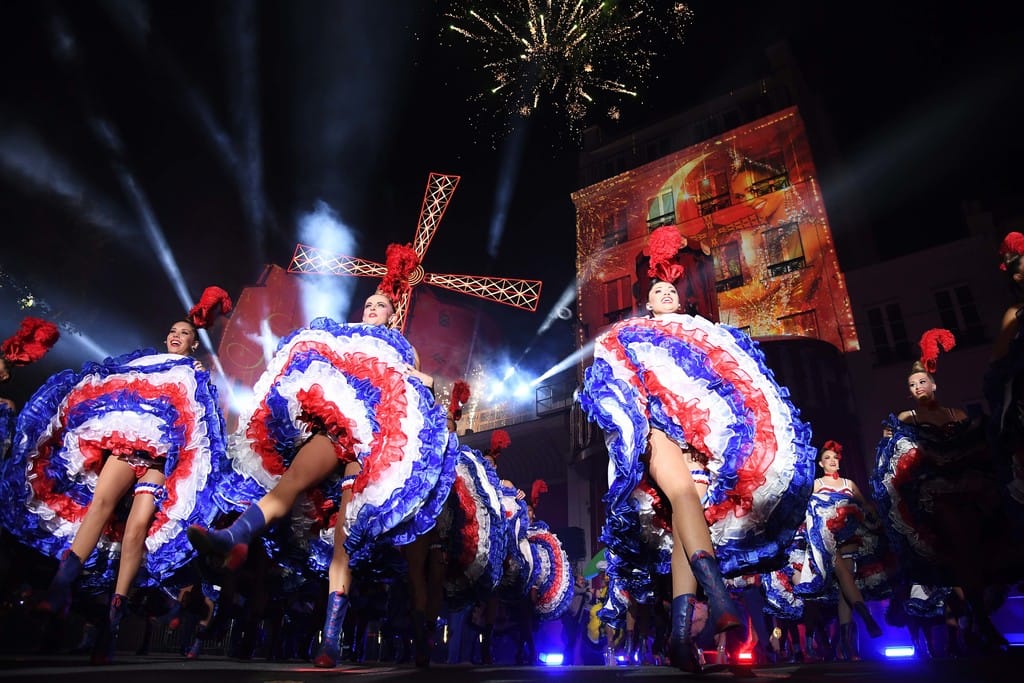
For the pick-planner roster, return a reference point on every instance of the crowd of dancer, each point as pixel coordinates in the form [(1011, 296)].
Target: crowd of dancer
[(344, 498)]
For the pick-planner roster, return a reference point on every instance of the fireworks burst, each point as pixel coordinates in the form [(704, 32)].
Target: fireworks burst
[(569, 55)]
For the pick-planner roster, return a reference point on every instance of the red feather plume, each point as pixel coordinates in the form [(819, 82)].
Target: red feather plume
[(500, 440), (662, 247), (33, 339), (401, 260), (1012, 247), (539, 486), (460, 394), (931, 342), (213, 301), (835, 447)]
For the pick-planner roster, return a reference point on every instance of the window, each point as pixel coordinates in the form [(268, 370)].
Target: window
[(712, 193), (959, 314), (728, 267), (616, 228), (618, 299), (804, 324), (889, 334), (662, 210), (785, 250)]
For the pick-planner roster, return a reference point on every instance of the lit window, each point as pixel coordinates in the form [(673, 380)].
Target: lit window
[(728, 267), (785, 250)]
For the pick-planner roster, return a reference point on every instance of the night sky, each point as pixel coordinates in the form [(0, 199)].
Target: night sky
[(214, 127)]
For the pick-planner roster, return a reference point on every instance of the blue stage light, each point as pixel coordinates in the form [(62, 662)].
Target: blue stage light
[(551, 658), (899, 651)]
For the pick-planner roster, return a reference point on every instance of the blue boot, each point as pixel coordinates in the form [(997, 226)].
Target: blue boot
[(682, 649), (58, 596), (330, 643), (106, 644), (228, 548), (721, 606)]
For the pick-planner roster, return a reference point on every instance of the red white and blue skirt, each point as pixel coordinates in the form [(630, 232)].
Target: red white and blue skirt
[(144, 407), (473, 531), (836, 520), (553, 580), (348, 382), (518, 571), (706, 385), (924, 477)]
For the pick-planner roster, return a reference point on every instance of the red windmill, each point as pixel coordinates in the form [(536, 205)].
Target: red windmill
[(523, 294)]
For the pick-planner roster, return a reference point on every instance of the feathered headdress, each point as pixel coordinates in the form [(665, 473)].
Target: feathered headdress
[(401, 260), (205, 312), (835, 447), (460, 394), (931, 342), (1011, 248), (539, 486), (500, 440), (662, 247), (33, 339)]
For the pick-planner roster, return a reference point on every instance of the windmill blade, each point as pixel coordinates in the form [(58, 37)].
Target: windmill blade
[(440, 189), (523, 294), (309, 259)]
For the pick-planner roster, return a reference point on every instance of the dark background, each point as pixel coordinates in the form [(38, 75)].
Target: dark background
[(219, 124)]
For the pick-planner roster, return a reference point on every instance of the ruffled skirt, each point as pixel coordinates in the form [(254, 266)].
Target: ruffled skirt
[(155, 406)]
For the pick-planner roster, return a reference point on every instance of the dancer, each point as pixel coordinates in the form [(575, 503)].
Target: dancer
[(664, 388), (1003, 387), (934, 486), (842, 548), (147, 423), (341, 397)]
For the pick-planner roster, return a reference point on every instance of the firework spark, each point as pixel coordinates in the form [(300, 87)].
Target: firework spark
[(570, 55)]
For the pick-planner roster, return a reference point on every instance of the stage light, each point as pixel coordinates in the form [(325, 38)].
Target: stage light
[(899, 651), (522, 390), (551, 658)]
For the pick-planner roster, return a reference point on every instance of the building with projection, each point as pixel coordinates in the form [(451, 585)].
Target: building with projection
[(744, 179)]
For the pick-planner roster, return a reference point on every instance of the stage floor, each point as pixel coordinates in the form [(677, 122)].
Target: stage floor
[(172, 668)]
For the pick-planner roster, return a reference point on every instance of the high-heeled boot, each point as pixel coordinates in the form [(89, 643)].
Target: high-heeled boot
[(58, 595), (681, 648), (874, 630), (228, 548), (330, 644), (846, 638), (420, 639), (722, 607), (106, 643)]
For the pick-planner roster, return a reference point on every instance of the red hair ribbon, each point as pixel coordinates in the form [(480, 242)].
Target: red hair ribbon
[(500, 440), (401, 260), (662, 247), (539, 486), (835, 447), (460, 394), (204, 312), (33, 339), (931, 342), (1011, 248)]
